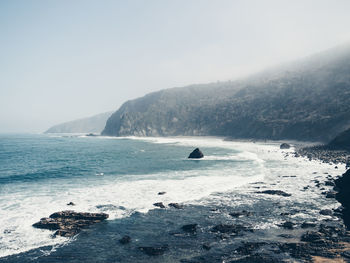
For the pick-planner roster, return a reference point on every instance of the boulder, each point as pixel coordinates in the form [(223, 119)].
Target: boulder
[(284, 146), (274, 192), (196, 154), (191, 228), (206, 246), (229, 229), (242, 213), (287, 225), (308, 225), (159, 204), (69, 223), (326, 212), (161, 193), (125, 240), (176, 205), (154, 251)]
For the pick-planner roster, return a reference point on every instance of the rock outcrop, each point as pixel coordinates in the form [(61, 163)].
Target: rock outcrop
[(196, 154), (284, 146), (69, 223), (343, 196)]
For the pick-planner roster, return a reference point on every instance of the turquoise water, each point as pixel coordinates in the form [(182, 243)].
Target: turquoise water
[(40, 174)]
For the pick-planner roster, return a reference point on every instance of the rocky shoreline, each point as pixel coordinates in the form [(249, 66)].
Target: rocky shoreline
[(327, 240), (69, 223), (324, 153)]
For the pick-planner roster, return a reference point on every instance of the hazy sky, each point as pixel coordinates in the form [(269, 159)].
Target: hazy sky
[(62, 60)]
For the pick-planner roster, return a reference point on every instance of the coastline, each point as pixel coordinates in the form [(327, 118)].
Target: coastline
[(288, 236)]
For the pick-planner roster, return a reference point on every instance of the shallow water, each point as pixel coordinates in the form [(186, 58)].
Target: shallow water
[(40, 174)]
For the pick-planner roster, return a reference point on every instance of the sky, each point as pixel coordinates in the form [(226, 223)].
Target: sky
[(64, 60)]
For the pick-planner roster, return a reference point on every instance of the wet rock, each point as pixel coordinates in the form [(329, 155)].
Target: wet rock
[(261, 258), (346, 254), (286, 236), (284, 146), (125, 240), (240, 213), (196, 154), (248, 247), (274, 192), (311, 236), (229, 229), (154, 251), (287, 225), (206, 246), (343, 196), (161, 193), (159, 204), (175, 205), (69, 223), (308, 225), (71, 203), (331, 194), (191, 228), (285, 214), (329, 183), (326, 212)]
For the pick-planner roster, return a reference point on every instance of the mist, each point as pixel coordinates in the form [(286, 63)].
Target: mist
[(65, 60)]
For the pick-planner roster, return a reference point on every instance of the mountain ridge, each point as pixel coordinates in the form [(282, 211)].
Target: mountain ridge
[(93, 124), (305, 100)]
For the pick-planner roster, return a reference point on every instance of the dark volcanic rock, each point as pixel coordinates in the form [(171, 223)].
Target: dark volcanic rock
[(256, 258), (175, 205), (307, 225), (274, 192), (69, 223), (161, 193), (125, 240), (242, 213), (284, 146), (287, 225), (70, 203), (311, 236), (196, 154), (326, 212), (331, 194), (229, 229), (191, 228), (154, 251), (343, 196), (159, 204), (206, 246)]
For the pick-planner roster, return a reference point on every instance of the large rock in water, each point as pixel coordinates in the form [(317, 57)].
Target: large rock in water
[(196, 154), (343, 196), (284, 146), (69, 223)]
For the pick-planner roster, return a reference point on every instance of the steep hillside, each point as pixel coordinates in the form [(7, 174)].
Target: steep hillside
[(304, 100), (94, 124), (342, 141)]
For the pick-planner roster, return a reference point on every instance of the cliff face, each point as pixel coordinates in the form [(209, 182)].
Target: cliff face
[(305, 100), (94, 124)]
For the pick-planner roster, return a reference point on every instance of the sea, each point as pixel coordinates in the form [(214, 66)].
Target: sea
[(122, 176)]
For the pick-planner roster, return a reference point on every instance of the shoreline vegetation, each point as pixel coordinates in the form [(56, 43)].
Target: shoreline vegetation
[(328, 241)]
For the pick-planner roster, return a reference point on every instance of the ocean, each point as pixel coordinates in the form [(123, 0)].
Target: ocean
[(40, 174)]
